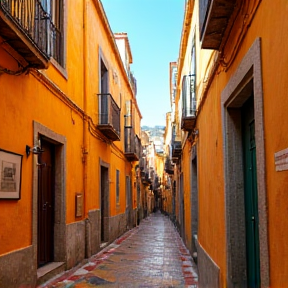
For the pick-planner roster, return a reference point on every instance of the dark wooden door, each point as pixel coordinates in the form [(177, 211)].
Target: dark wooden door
[(46, 180), (251, 196), (129, 202), (182, 207), (104, 203)]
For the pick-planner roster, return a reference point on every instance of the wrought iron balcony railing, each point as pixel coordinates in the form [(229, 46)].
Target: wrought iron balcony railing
[(189, 102), (132, 145), (109, 117), (176, 146), (176, 149), (133, 82), (146, 180), (214, 16), (28, 29), (169, 169), (142, 161)]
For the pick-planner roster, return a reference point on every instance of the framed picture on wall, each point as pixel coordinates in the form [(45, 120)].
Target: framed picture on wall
[(10, 175)]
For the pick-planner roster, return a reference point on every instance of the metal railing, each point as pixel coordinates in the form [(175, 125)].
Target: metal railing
[(132, 142), (133, 82), (36, 23), (109, 112), (57, 48), (138, 147), (168, 167), (175, 145)]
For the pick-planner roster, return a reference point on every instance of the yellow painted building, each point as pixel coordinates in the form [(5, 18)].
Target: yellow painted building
[(69, 137), (231, 105)]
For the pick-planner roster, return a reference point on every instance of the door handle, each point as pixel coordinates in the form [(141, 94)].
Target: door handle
[(44, 207)]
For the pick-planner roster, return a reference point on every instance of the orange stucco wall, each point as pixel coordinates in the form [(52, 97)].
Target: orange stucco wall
[(121, 91), (21, 104), (25, 98), (269, 23), (209, 151), (275, 84), (211, 183)]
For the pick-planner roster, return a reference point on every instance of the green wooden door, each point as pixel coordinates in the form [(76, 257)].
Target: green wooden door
[(251, 199)]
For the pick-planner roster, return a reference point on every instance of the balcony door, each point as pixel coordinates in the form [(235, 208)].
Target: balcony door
[(104, 94), (55, 28)]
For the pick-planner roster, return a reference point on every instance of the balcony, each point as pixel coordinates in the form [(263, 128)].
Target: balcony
[(169, 169), (176, 149), (176, 146), (146, 180), (133, 82), (188, 102), (142, 161), (109, 117), (157, 182), (214, 16), (28, 29), (132, 145)]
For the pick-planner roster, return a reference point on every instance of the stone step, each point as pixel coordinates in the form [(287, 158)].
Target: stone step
[(49, 271)]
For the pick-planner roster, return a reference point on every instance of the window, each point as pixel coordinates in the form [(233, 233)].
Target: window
[(103, 104), (117, 186), (128, 114), (193, 76), (55, 9), (104, 78), (174, 83), (193, 58), (203, 7)]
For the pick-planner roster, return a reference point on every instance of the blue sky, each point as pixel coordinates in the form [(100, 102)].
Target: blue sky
[(154, 30)]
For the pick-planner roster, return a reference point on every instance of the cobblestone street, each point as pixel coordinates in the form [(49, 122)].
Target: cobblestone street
[(150, 255)]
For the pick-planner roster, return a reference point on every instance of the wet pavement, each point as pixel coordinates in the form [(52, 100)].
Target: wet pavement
[(150, 255)]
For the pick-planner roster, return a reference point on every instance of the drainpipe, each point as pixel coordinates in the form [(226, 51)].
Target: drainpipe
[(85, 130)]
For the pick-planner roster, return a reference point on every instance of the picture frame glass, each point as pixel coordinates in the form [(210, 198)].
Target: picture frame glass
[(10, 175)]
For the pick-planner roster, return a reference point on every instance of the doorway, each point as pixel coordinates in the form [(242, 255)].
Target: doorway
[(242, 106), (182, 209), (128, 202), (194, 200), (46, 204), (250, 194), (104, 204), (50, 248)]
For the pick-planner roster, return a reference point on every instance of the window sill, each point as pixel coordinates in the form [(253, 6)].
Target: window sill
[(59, 68)]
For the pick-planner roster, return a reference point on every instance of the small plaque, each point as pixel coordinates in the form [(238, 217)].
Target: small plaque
[(281, 160), (79, 205)]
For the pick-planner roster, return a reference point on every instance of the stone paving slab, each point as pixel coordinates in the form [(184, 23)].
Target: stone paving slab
[(150, 255)]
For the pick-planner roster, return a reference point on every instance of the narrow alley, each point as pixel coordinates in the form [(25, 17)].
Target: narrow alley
[(150, 255), (111, 110)]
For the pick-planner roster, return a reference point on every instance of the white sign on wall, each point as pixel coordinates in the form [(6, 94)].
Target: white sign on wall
[(281, 160)]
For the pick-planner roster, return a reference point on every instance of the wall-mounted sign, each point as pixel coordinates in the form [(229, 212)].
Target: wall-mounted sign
[(281, 160), (10, 175), (79, 205)]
